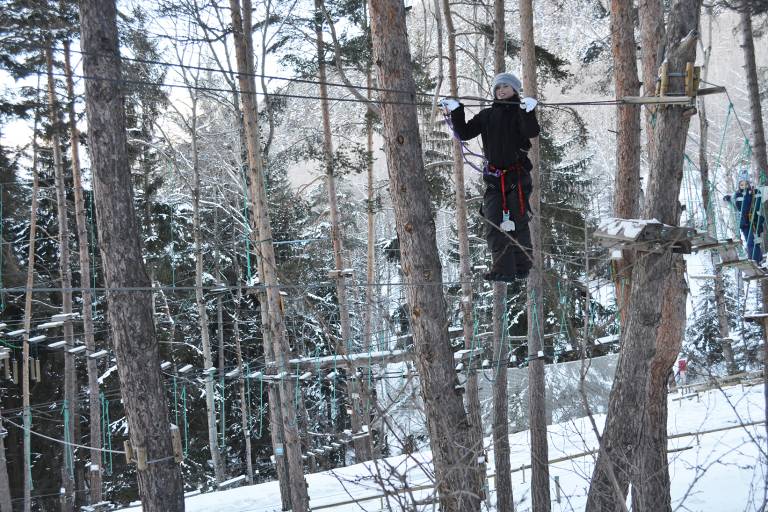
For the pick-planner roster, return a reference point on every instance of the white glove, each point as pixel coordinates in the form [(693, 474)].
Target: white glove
[(449, 104), (528, 104)]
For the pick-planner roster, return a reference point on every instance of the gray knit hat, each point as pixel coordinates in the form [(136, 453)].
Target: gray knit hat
[(506, 78)]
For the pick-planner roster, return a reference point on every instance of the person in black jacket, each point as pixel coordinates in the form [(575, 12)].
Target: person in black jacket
[(505, 129)]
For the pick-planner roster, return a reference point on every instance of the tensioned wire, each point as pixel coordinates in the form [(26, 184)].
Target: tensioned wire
[(233, 73), (478, 101)]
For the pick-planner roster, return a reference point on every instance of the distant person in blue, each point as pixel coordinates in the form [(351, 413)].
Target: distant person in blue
[(748, 203), (505, 128)]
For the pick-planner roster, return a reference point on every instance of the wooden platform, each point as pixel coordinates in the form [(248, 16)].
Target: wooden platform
[(650, 236), (730, 253)]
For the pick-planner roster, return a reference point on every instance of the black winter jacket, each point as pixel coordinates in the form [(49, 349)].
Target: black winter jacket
[(505, 130)]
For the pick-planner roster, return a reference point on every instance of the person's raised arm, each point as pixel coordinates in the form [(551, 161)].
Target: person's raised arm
[(530, 124), (465, 130)]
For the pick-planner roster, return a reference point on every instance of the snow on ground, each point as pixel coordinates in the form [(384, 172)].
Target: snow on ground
[(717, 471)]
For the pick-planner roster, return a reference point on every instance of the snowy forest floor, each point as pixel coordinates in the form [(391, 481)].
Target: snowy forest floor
[(719, 471)]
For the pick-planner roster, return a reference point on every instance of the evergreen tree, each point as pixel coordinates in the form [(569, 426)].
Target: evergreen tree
[(702, 346)]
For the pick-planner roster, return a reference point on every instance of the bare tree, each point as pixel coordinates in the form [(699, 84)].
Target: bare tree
[(291, 446), (362, 444), (94, 410), (501, 449), (450, 435), (26, 412), (707, 200), (465, 272), (129, 295), (65, 273), (537, 390)]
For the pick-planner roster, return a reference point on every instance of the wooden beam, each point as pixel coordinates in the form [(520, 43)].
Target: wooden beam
[(658, 100)]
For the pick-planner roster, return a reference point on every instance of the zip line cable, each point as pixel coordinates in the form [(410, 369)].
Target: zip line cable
[(479, 101)]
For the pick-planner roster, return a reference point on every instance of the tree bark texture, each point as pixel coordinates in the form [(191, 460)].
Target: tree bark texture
[(465, 272), (273, 393), (84, 258), (129, 297), (5, 488), (26, 413), (651, 21), (650, 481), (202, 313), (753, 91), (501, 449), (622, 443), (499, 38), (370, 264), (362, 444), (290, 449), (450, 431), (540, 500), (245, 406), (626, 200), (65, 275)]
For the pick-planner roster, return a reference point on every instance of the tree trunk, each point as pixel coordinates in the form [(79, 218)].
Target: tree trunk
[(65, 274), (651, 21), (129, 296), (465, 272), (650, 482), (222, 367), (370, 264), (5, 488), (273, 393), (633, 386), (626, 201), (753, 90), (450, 432), (758, 141), (501, 449), (538, 415), (210, 369), (499, 38), (276, 329), (26, 412), (94, 410), (707, 200), (245, 405), (362, 444)]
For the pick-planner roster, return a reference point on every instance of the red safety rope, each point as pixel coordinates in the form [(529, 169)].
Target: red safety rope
[(518, 168), (520, 193), (504, 208)]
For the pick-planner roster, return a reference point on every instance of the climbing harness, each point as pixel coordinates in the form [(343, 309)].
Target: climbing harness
[(489, 169), (517, 168)]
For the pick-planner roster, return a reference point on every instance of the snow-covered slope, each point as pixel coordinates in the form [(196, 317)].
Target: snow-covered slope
[(720, 471)]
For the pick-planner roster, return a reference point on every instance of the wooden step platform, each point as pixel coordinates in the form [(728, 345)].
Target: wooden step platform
[(650, 236)]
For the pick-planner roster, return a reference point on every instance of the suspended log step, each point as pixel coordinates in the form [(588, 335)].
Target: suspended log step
[(64, 317), (749, 268), (50, 325), (345, 272), (755, 316)]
